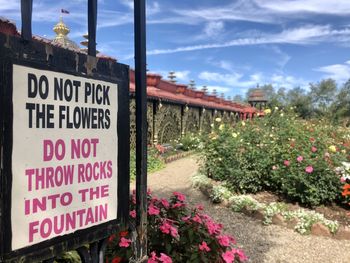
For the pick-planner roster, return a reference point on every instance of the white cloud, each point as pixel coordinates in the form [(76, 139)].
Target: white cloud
[(338, 72), (309, 34), (287, 81), (219, 89), (335, 7), (214, 28), (243, 82), (241, 10), (233, 79)]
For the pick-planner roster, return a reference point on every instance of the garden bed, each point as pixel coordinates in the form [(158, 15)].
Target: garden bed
[(272, 209), (331, 212)]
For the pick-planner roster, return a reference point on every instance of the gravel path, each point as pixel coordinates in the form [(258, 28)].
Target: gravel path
[(272, 244)]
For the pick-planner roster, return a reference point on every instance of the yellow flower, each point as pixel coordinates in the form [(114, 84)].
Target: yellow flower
[(267, 111), (212, 125), (343, 151), (221, 127), (234, 135), (218, 119), (276, 108), (243, 123), (332, 148)]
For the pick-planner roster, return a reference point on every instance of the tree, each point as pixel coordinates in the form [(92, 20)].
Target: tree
[(301, 101), (322, 96), (340, 108)]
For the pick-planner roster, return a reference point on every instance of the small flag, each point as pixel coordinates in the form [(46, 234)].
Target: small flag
[(64, 11)]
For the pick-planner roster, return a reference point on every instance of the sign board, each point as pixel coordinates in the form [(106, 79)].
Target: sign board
[(64, 178), (64, 155)]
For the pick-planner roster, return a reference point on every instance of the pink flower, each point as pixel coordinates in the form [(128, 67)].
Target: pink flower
[(164, 202), (197, 219), (240, 253), (199, 207), (181, 197), (204, 247), (228, 256), (300, 159), (153, 258), (174, 232), (132, 213), (213, 228), (124, 242), (152, 210), (286, 163), (309, 169), (313, 149), (167, 228), (177, 205), (342, 179), (185, 218), (164, 258), (224, 240)]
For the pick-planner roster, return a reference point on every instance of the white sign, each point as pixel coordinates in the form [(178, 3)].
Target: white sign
[(64, 159)]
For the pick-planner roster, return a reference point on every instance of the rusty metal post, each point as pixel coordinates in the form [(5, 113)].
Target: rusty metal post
[(141, 129)]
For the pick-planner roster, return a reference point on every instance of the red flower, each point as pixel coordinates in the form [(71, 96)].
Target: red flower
[(286, 163), (312, 139), (111, 238), (123, 233), (313, 149), (117, 260)]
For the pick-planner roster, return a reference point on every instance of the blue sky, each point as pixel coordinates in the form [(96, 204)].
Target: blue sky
[(229, 45)]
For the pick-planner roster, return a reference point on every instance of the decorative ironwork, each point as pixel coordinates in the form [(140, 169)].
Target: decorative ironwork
[(133, 123), (168, 123), (191, 121), (206, 121)]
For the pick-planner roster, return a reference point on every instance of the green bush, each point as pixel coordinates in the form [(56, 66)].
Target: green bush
[(154, 162), (278, 153)]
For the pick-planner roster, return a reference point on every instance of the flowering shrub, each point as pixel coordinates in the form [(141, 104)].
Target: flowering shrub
[(278, 153), (177, 233), (189, 142)]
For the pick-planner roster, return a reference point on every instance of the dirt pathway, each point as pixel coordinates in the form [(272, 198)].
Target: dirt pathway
[(270, 244)]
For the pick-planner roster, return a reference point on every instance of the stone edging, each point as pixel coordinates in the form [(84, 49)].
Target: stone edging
[(317, 229), (177, 156)]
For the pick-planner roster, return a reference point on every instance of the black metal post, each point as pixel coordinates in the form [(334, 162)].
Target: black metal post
[(92, 20), (26, 15), (141, 128)]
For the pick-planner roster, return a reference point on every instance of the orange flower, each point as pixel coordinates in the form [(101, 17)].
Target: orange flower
[(346, 189)]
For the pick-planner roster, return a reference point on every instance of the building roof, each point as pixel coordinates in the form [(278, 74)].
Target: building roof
[(157, 88), (257, 95)]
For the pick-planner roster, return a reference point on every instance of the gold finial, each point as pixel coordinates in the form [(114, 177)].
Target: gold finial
[(61, 29), (61, 37)]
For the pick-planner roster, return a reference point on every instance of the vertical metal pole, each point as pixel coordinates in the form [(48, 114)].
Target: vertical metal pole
[(26, 15), (141, 128), (92, 20)]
